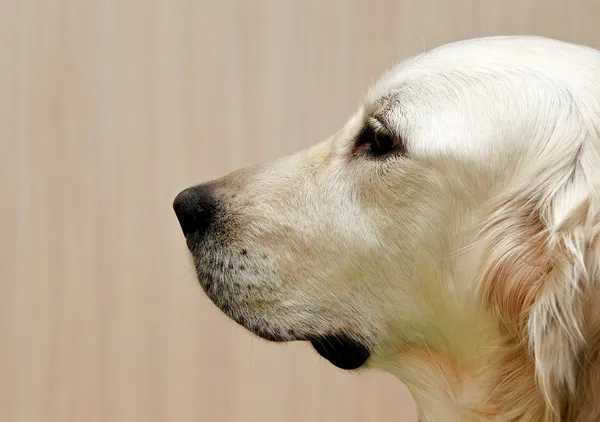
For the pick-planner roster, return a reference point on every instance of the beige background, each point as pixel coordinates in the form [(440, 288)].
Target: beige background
[(107, 109)]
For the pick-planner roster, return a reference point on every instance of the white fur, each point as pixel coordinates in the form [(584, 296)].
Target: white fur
[(424, 256)]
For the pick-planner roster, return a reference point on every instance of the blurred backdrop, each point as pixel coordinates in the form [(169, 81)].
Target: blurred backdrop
[(108, 108)]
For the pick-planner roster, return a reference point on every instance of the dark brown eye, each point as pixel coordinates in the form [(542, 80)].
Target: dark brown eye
[(383, 143), (377, 143)]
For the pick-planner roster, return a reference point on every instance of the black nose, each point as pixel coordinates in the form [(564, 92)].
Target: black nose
[(195, 208)]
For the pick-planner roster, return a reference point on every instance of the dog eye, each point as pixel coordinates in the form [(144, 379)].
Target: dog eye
[(382, 143), (377, 142)]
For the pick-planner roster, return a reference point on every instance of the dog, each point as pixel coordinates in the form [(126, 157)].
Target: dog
[(448, 233)]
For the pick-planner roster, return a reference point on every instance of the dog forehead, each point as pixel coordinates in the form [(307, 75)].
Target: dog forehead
[(490, 58), (430, 71)]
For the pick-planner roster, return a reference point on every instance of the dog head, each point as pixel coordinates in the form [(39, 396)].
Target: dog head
[(455, 210)]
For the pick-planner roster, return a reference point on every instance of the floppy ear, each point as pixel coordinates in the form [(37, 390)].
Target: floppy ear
[(543, 263), (557, 319)]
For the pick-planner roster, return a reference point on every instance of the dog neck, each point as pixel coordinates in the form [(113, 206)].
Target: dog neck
[(462, 364), (458, 363), (487, 378)]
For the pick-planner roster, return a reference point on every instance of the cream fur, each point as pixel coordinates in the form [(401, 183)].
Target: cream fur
[(470, 265)]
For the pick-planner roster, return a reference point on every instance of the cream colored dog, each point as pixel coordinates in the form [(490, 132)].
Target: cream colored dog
[(448, 234)]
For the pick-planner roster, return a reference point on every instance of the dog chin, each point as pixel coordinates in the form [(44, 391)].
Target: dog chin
[(341, 350)]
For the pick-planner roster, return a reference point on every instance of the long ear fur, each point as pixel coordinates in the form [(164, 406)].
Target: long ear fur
[(543, 268)]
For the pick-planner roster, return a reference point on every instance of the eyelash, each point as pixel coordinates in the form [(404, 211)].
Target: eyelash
[(378, 143)]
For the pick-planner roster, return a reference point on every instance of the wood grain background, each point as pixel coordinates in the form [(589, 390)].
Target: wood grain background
[(107, 109)]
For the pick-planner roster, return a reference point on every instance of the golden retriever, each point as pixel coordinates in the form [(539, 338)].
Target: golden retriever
[(447, 234)]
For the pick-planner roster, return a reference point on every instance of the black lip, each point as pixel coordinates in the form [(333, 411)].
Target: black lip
[(342, 351)]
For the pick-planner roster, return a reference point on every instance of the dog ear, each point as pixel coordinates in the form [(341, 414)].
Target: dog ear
[(542, 265), (556, 321)]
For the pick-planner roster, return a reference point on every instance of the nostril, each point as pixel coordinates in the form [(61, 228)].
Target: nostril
[(194, 208)]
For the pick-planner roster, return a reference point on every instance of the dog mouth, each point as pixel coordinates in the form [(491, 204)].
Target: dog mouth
[(219, 283), (341, 350)]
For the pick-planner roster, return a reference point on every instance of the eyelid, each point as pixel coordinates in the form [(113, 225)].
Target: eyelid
[(377, 126)]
